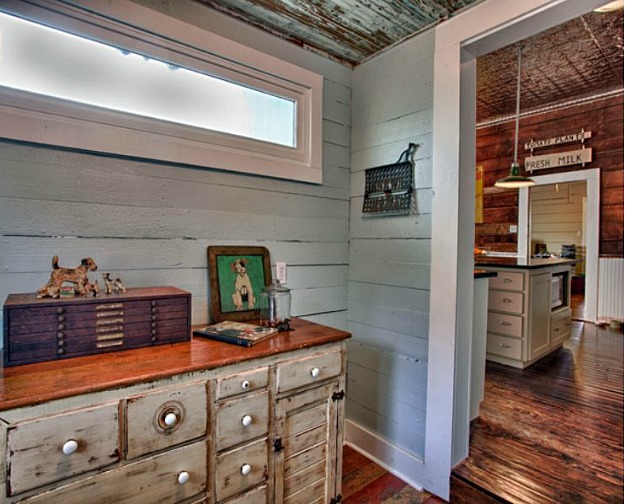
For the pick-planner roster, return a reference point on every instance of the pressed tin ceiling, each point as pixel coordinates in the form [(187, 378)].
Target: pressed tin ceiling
[(581, 58)]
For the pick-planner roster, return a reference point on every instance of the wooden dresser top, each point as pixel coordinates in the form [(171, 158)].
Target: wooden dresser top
[(36, 383)]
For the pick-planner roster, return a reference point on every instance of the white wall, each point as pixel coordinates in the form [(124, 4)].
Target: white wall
[(151, 223), (389, 261)]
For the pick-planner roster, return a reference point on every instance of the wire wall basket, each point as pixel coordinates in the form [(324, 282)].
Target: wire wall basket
[(389, 188)]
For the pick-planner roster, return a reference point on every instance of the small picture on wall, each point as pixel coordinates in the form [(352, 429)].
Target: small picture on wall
[(237, 277)]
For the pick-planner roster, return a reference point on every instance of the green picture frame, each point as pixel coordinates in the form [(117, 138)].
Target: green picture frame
[(237, 276)]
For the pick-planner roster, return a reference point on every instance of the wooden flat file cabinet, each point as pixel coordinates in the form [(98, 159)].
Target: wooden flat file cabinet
[(262, 430)]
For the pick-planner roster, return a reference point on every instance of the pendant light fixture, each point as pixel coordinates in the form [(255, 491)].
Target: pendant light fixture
[(514, 180)]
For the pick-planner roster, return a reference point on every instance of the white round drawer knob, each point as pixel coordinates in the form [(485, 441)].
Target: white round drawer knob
[(246, 469), (170, 419), (246, 421), (245, 384), (315, 372), (70, 446), (183, 477)]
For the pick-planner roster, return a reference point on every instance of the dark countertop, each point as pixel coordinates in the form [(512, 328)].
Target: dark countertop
[(520, 262), (480, 273)]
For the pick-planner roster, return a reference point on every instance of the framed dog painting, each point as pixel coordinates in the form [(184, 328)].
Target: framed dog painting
[(237, 277)]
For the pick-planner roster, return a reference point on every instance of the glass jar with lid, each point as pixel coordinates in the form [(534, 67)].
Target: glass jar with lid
[(275, 306)]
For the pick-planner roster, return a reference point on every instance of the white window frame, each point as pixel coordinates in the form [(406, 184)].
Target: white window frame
[(32, 118)]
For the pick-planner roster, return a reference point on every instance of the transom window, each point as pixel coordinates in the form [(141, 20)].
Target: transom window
[(236, 116)]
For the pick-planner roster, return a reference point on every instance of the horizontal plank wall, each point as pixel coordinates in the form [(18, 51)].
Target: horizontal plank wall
[(389, 260), (151, 223), (495, 148)]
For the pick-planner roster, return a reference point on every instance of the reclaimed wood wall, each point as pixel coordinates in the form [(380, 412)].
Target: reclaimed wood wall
[(151, 222), (389, 261), (495, 151)]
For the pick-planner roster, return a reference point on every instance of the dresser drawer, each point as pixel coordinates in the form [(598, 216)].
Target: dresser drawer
[(240, 420), (241, 383), (241, 469), (510, 302), (256, 496), (56, 447), (508, 280), (301, 372), (173, 476), (162, 419), (504, 346), (510, 325)]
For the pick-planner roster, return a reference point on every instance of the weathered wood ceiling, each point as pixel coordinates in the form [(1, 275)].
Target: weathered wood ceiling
[(580, 58)]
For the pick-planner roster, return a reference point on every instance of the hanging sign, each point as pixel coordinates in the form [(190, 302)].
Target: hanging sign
[(562, 139), (581, 156)]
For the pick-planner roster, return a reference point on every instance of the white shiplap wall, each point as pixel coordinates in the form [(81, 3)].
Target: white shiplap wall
[(389, 260), (151, 223)]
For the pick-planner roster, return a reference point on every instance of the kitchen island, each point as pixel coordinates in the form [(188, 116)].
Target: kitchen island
[(529, 307)]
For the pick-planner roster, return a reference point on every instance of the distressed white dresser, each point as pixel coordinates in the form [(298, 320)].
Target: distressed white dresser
[(200, 421)]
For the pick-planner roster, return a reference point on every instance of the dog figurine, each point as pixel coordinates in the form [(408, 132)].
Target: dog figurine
[(59, 276), (111, 286), (243, 292)]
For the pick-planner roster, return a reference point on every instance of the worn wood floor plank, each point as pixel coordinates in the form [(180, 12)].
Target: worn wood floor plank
[(554, 431)]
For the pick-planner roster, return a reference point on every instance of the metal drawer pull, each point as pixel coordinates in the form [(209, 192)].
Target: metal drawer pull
[(246, 469), (505, 323), (507, 300), (70, 446), (245, 384), (170, 419), (183, 477), (504, 345), (246, 421), (315, 372)]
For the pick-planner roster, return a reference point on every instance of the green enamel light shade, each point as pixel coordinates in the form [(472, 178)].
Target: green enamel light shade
[(514, 180)]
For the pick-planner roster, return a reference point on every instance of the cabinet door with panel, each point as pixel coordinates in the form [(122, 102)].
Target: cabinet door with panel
[(540, 312)]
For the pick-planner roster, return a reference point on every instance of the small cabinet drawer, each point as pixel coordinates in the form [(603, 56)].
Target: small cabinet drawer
[(240, 420), (56, 447), (301, 372), (158, 420), (510, 302), (173, 476), (241, 383), (560, 327), (508, 280), (256, 496), (510, 325), (504, 346), (241, 469)]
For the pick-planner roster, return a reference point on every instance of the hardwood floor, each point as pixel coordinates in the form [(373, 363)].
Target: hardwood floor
[(552, 432)]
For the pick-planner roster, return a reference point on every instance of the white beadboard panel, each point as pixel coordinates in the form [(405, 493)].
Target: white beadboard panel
[(405, 328), (315, 301), (390, 296), (74, 166), (24, 254), (309, 277), (409, 250), (389, 266), (365, 387), (388, 131), (336, 319), (408, 436), (410, 343), (60, 218), (406, 226), (385, 273)]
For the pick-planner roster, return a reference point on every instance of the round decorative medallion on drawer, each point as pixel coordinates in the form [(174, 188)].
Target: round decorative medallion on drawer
[(169, 417)]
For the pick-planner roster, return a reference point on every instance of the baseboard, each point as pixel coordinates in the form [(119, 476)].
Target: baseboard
[(398, 462)]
